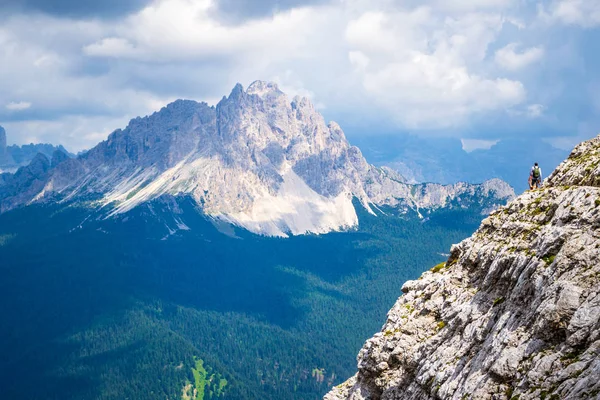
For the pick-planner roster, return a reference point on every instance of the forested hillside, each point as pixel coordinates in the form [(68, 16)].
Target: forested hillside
[(147, 306)]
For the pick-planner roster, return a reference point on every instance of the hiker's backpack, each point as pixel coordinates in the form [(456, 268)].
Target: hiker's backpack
[(536, 172)]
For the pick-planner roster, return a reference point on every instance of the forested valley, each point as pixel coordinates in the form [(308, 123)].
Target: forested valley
[(134, 308)]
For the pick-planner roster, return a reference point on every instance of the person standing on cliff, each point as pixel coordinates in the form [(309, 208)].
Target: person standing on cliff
[(535, 177)]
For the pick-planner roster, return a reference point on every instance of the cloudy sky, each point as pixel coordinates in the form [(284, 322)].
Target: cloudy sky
[(73, 71)]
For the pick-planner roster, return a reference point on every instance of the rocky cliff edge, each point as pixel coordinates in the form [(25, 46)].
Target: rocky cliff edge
[(514, 313)]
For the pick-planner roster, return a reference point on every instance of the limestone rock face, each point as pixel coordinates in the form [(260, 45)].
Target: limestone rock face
[(514, 313), (258, 159), (581, 168)]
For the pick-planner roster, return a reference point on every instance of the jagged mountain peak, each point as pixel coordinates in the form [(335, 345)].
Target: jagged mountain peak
[(513, 313), (40, 160), (257, 91), (257, 159), (263, 88)]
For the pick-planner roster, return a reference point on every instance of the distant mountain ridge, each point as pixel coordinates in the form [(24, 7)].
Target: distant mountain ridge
[(257, 160), (443, 160), (12, 157)]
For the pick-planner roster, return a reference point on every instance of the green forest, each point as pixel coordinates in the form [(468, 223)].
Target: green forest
[(131, 308)]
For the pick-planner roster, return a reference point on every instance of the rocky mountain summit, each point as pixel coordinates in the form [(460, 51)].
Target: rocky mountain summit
[(258, 160), (514, 313)]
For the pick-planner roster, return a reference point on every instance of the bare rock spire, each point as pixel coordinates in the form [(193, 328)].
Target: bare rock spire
[(2, 142), (5, 157)]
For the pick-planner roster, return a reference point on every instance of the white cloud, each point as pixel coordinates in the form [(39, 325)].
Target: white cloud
[(18, 106), (179, 30), (585, 13), (110, 47), (46, 60), (75, 132), (419, 64), (530, 111), (470, 145), (510, 58), (358, 59), (472, 5), (291, 84), (535, 110), (423, 67), (47, 69)]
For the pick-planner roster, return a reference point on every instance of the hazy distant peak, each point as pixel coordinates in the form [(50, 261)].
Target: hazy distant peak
[(14, 156), (58, 157), (40, 161), (2, 142)]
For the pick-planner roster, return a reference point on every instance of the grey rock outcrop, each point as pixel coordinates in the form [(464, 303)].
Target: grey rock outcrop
[(257, 159), (582, 168), (514, 313), (4, 156)]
